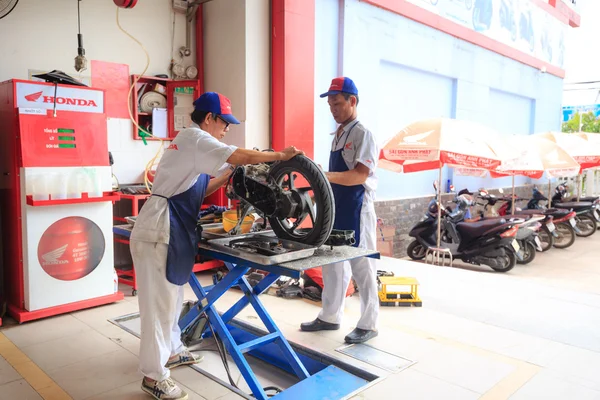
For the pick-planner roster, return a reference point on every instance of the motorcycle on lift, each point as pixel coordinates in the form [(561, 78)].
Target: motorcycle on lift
[(487, 242), (564, 220), (587, 212), (527, 237)]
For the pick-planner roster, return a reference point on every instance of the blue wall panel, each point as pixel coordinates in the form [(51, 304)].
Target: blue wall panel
[(407, 71)]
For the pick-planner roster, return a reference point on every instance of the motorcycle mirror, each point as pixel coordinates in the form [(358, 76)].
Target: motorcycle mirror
[(435, 185), (501, 190)]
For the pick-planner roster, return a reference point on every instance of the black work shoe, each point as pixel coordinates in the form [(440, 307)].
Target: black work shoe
[(360, 336), (318, 325)]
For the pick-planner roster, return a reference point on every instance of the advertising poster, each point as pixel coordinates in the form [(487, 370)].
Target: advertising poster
[(519, 24), (570, 111)]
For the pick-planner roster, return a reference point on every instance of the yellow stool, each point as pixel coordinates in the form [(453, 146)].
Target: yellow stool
[(401, 299)]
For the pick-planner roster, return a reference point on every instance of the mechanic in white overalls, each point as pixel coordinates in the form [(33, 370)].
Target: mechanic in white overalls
[(164, 242), (352, 164)]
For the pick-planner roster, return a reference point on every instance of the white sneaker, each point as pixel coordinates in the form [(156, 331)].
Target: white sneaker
[(163, 390), (186, 357)]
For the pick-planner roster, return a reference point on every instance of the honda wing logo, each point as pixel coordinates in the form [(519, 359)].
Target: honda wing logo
[(554, 157), (64, 98), (33, 96), (417, 139), (53, 257), (61, 100)]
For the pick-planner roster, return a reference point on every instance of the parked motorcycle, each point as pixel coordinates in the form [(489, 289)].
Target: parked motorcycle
[(487, 242), (544, 234), (527, 235), (595, 200), (563, 220), (587, 212)]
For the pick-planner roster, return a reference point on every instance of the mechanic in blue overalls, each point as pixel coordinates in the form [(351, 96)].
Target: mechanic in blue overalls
[(163, 240), (352, 165)]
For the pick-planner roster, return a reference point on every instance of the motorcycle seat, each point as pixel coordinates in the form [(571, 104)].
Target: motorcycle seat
[(556, 213), (529, 213), (574, 205), (590, 199), (470, 230)]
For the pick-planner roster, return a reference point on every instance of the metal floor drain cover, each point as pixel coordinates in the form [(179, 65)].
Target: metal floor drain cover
[(378, 358)]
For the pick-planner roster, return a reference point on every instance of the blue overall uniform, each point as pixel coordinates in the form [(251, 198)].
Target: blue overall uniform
[(354, 210), (164, 244)]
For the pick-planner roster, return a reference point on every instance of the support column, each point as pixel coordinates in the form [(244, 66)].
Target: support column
[(293, 74), (236, 64)]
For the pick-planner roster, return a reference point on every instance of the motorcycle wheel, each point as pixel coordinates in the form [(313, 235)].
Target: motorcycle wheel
[(546, 238), (528, 253), (566, 235), (509, 261), (322, 220), (587, 225), (416, 251)]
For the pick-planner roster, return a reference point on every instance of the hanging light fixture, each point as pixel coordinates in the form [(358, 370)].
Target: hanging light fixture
[(80, 60)]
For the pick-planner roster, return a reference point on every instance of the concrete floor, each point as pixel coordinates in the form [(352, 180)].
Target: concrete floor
[(532, 333)]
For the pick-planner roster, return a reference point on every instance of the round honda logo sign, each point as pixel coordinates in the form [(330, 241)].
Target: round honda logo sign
[(71, 248)]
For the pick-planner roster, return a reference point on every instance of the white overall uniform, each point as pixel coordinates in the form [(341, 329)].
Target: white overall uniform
[(163, 242), (355, 145)]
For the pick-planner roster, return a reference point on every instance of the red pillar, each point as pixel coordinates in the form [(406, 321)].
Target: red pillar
[(292, 74)]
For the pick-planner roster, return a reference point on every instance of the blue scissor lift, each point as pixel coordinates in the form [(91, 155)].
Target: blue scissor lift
[(317, 379), (320, 376)]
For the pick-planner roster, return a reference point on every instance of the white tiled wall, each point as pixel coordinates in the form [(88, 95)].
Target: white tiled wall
[(130, 156)]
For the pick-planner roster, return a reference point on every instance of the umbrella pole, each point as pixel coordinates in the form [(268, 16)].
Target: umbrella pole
[(549, 194), (439, 227), (513, 196), (579, 187)]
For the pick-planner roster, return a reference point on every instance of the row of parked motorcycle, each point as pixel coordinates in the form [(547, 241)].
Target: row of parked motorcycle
[(495, 236)]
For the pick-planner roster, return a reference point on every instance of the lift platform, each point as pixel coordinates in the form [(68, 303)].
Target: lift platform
[(316, 379)]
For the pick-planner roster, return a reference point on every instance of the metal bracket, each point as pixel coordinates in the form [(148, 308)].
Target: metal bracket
[(439, 256)]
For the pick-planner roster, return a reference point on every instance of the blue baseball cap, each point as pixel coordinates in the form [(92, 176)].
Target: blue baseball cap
[(217, 104), (341, 85)]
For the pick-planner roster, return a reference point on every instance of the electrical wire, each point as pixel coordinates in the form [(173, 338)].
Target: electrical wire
[(152, 162), (78, 18)]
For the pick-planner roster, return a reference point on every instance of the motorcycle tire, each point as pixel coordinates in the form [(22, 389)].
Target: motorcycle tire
[(323, 198), (546, 237), (511, 261), (588, 226), (528, 253), (416, 251), (565, 230)]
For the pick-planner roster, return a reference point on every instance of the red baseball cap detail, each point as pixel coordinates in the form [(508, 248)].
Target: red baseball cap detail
[(337, 84), (217, 104), (225, 104), (341, 84)]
